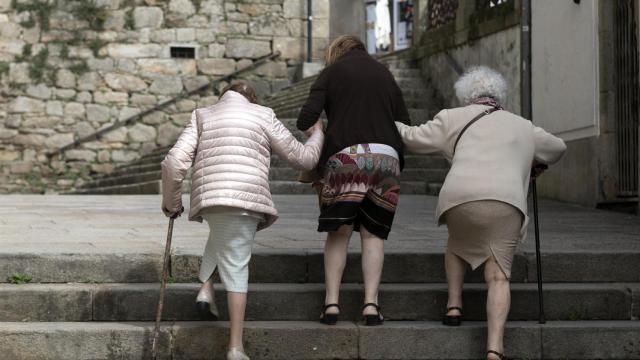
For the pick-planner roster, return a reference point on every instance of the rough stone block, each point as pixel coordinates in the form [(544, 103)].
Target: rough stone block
[(186, 34), (148, 17), (125, 82), (142, 133), (39, 91), (182, 7), (23, 104), (111, 97), (290, 48), (211, 7), (273, 69), (82, 155), (98, 113), (216, 66), (58, 140), (134, 51), (54, 108), (19, 73), (247, 48), (166, 85)]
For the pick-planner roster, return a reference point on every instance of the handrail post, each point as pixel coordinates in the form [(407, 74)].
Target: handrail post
[(309, 30)]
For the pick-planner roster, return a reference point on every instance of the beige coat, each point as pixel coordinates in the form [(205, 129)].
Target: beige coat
[(229, 145), (493, 159)]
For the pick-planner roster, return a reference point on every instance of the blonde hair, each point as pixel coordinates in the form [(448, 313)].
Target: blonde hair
[(242, 88), (342, 45)]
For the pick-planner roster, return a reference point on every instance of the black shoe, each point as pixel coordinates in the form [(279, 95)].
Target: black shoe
[(373, 320), (329, 319), (500, 356), (205, 311), (452, 320)]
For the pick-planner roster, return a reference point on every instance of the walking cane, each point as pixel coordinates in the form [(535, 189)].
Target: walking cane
[(163, 285), (534, 192)]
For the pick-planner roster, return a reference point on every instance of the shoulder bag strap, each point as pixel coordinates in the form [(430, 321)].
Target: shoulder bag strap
[(478, 117)]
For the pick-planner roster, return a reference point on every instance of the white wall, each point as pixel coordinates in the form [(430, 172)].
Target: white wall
[(565, 67)]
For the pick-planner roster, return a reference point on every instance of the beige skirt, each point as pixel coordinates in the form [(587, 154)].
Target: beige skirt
[(481, 229)]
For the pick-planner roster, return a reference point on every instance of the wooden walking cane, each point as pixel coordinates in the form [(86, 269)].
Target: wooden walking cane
[(163, 286), (536, 225)]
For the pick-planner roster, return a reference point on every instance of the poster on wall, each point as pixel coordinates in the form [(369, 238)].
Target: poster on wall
[(371, 26), (402, 23)]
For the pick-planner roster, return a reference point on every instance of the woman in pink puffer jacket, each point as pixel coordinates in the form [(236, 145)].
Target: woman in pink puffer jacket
[(229, 145)]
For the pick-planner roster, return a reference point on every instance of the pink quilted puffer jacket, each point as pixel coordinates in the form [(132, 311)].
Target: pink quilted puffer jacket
[(229, 145)]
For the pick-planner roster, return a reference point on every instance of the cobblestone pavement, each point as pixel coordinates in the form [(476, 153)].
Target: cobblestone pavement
[(96, 224)]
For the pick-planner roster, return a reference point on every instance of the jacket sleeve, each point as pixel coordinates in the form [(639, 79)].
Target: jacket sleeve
[(549, 148), (312, 109), (287, 147), (175, 166), (427, 138), (401, 112)]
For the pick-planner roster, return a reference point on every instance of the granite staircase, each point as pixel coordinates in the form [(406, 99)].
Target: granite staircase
[(98, 302), (422, 174)]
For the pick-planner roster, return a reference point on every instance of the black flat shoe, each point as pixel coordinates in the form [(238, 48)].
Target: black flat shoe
[(452, 320), (373, 320), (204, 310), (329, 319), (500, 356)]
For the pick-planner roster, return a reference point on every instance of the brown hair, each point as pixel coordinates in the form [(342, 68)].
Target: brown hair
[(342, 45), (243, 88)]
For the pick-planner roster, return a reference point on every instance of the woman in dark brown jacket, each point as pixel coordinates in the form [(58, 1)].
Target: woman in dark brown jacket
[(360, 164)]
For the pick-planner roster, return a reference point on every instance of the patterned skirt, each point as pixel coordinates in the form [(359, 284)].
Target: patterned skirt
[(361, 189)]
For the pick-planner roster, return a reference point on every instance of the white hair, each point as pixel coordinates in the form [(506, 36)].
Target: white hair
[(479, 81)]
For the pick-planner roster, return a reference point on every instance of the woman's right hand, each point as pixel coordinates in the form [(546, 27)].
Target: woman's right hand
[(318, 126)]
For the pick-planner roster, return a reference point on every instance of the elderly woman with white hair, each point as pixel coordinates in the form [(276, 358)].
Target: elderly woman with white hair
[(483, 200)]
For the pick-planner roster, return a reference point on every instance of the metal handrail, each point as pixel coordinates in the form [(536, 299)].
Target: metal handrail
[(137, 117)]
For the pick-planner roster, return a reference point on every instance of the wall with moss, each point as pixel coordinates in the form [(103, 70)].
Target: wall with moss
[(71, 67), (477, 35)]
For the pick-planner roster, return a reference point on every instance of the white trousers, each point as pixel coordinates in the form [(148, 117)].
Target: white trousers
[(229, 249)]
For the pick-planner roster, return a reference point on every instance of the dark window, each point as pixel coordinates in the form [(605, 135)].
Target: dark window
[(183, 52)]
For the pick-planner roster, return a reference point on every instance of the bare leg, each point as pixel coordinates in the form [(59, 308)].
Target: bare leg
[(372, 262), (237, 304), (498, 303), (455, 268), (335, 259)]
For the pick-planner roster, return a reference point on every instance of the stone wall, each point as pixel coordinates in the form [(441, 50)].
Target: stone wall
[(475, 36), (71, 67)]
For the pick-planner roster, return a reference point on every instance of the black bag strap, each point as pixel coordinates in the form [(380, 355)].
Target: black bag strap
[(478, 117)]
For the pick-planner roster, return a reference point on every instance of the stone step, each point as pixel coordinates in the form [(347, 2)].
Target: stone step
[(406, 302), (286, 187), (408, 175), (107, 263), (312, 340), (123, 179), (142, 188), (404, 73), (423, 267), (292, 110), (413, 97)]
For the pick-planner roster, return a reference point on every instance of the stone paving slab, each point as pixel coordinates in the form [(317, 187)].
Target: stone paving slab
[(311, 340), (295, 302)]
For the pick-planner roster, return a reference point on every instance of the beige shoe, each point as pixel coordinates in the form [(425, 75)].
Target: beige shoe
[(235, 354), (206, 302)]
